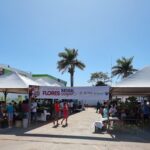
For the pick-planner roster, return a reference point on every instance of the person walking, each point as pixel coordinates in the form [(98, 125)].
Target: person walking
[(57, 112), (65, 114)]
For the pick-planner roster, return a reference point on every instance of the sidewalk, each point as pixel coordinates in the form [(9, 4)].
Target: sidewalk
[(79, 134)]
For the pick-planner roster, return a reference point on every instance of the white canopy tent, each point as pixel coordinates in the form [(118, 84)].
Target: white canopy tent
[(137, 84), (15, 83)]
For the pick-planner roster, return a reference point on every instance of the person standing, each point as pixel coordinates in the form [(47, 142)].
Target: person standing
[(34, 111), (112, 111), (98, 106), (1, 115), (146, 111), (10, 112), (25, 109), (105, 112), (65, 114)]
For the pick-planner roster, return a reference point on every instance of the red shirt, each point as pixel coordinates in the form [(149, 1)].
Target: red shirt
[(25, 107), (65, 111), (57, 107)]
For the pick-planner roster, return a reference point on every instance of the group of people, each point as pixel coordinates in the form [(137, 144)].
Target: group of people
[(106, 110), (128, 113), (58, 110), (12, 111)]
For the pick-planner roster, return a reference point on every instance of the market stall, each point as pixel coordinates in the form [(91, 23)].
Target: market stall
[(137, 84), (13, 82)]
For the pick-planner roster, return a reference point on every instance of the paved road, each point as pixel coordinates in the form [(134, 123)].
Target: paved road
[(79, 135)]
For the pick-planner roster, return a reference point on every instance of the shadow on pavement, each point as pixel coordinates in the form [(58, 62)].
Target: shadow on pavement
[(115, 137), (139, 137)]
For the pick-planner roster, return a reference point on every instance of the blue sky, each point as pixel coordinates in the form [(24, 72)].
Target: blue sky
[(33, 32)]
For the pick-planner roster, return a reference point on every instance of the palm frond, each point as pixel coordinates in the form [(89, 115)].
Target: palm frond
[(124, 67)]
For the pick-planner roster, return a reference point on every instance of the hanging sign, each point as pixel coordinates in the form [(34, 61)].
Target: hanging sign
[(81, 93)]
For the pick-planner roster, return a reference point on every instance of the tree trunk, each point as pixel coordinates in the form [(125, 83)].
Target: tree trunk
[(71, 79)]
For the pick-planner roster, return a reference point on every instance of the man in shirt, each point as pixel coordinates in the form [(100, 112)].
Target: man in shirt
[(25, 108), (34, 110)]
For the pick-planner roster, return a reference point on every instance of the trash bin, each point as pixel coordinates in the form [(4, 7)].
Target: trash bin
[(25, 123)]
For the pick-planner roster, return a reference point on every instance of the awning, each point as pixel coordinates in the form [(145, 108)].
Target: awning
[(137, 84)]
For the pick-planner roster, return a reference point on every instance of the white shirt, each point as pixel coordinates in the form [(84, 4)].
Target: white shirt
[(34, 107)]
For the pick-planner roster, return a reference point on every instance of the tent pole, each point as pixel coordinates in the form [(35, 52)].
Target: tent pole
[(108, 104), (29, 103), (5, 96)]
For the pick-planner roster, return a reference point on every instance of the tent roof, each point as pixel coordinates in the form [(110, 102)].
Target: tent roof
[(49, 77), (46, 81), (140, 79), (135, 84), (15, 83), (43, 82), (7, 67)]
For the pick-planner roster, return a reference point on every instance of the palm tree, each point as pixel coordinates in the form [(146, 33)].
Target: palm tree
[(123, 68), (68, 63)]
